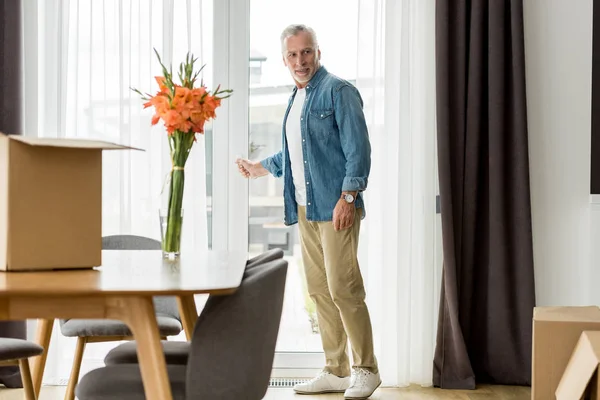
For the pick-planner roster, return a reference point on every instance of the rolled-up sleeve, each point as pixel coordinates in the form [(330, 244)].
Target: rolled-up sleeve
[(354, 137), (273, 164)]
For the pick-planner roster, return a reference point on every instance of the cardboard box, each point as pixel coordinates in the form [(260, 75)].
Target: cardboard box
[(556, 331), (50, 202), (580, 379)]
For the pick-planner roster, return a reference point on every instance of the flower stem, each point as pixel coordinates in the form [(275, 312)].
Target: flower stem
[(179, 153), (174, 218)]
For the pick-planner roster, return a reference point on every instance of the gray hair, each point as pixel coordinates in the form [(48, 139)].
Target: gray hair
[(293, 30)]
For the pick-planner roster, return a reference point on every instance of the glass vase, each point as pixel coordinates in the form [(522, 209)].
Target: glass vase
[(171, 224)]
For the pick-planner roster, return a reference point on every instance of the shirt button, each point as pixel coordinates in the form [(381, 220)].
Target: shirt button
[(308, 183), (303, 140), (305, 162), (321, 115), (309, 204), (302, 119)]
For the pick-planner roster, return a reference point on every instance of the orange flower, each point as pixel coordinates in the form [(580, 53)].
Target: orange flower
[(198, 127), (183, 108), (198, 93), (186, 111), (161, 80), (211, 102), (183, 93)]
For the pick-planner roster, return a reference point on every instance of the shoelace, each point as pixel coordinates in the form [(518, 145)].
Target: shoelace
[(360, 376), (319, 376)]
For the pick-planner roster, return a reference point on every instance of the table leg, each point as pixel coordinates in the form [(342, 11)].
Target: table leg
[(188, 314), (139, 314), (43, 335)]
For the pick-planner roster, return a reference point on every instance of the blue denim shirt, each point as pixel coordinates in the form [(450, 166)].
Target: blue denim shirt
[(335, 145)]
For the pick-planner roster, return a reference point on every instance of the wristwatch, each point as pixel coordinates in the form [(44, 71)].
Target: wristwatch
[(348, 197)]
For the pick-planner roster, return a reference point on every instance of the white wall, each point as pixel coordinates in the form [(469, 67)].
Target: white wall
[(566, 228)]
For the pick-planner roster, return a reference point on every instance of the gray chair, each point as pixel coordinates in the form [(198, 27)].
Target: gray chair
[(267, 256), (10, 376), (17, 352), (177, 352), (99, 330), (232, 348)]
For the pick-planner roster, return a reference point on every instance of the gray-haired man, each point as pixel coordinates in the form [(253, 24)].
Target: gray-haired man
[(325, 162)]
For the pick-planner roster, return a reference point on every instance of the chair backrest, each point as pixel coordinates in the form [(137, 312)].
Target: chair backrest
[(164, 305), (129, 242), (267, 256), (234, 339)]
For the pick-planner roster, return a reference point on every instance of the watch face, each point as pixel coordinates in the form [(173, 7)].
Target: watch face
[(349, 198)]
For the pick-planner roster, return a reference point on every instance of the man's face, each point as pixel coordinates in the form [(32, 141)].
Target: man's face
[(301, 56)]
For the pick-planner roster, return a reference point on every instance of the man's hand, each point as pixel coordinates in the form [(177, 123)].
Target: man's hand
[(343, 215), (250, 169)]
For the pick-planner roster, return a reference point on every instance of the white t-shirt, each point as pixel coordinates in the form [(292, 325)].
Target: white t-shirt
[(294, 141)]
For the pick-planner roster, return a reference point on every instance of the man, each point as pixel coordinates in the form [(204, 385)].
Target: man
[(325, 162)]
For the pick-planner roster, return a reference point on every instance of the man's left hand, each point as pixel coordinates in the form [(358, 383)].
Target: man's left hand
[(343, 215)]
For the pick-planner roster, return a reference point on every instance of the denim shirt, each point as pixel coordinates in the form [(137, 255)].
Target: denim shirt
[(335, 146)]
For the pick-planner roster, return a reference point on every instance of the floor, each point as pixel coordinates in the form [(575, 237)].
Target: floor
[(412, 393)]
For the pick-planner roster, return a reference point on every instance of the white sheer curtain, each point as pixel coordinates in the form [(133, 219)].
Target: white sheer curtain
[(396, 77), (89, 53)]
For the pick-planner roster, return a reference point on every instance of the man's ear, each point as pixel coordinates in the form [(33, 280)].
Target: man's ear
[(319, 53)]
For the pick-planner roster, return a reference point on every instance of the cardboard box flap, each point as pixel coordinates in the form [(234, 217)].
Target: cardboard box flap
[(582, 367), (71, 143), (567, 314)]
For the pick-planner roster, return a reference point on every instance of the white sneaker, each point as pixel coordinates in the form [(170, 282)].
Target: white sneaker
[(324, 382), (362, 384)]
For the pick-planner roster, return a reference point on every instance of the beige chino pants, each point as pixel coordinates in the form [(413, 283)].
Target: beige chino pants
[(335, 284)]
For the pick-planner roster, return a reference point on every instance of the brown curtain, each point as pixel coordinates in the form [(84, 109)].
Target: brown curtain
[(10, 66), (484, 329), (595, 142), (10, 123)]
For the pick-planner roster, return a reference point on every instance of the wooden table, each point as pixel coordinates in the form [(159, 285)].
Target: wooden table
[(122, 288)]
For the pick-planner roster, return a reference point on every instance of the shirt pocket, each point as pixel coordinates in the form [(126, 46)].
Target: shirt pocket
[(321, 123)]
